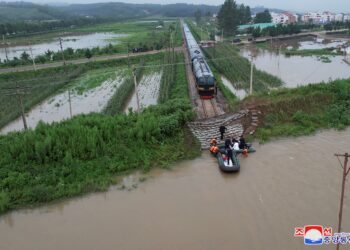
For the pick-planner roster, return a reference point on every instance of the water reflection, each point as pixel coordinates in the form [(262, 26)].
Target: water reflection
[(298, 70)]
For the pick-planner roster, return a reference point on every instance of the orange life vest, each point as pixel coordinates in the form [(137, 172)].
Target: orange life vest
[(245, 152), (213, 142)]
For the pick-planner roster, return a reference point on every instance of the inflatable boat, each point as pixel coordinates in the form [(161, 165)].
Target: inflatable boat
[(227, 166)]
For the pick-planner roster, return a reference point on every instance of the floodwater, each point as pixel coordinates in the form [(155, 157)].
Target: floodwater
[(297, 70), (74, 42), (148, 91), (285, 184), (240, 93), (56, 108)]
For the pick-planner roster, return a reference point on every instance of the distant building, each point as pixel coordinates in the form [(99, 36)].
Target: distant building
[(339, 17), (318, 17), (284, 18), (346, 18)]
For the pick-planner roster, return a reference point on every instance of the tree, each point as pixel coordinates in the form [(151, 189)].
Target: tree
[(198, 16), (228, 17), (247, 14), (25, 56), (263, 17), (88, 53)]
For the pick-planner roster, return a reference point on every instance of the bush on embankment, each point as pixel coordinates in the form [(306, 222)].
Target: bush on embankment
[(303, 110), (85, 154)]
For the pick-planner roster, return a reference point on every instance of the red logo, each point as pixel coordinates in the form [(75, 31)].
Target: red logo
[(299, 232), (327, 231)]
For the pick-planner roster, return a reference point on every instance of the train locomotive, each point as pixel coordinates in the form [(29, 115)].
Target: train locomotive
[(205, 80)]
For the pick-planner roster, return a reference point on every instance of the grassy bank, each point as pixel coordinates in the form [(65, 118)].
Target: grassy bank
[(303, 110), (231, 99), (45, 83), (312, 52), (226, 60), (86, 153)]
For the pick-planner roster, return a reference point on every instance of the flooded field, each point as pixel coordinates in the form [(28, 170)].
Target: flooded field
[(240, 93), (298, 70), (148, 91), (308, 43), (74, 42), (286, 183), (57, 108)]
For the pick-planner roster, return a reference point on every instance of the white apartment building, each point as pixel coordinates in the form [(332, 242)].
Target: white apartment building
[(339, 17), (318, 17), (284, 18)]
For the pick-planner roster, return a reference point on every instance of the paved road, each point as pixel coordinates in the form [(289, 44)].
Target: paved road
[(83, 60)]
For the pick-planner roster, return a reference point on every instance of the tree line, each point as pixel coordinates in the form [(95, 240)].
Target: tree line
[(231, 15), (22, 27)]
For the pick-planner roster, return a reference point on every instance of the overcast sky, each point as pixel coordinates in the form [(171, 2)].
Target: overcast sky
[(296, 5)]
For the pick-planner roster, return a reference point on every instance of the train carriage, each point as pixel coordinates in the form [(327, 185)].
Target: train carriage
[(205, 79)]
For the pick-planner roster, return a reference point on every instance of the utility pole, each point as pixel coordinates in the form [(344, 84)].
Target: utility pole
[(128, 55), (201, 34), (64, 63), (251, 76), (222, 35), (18, 92), (19, 96), (61, 46), (5, 46), (136, 90), (70, 104), (31, 55), (345, 173)]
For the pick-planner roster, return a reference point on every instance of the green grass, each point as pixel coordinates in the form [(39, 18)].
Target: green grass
[(232, 100), (312, 52), (119, 100), (303, 110), (86, 153), (94, 78)]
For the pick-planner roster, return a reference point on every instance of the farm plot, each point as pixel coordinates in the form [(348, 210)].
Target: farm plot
[(89, 93), (148, 91)]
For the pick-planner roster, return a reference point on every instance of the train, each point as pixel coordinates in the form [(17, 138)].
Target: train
[(205, 80)]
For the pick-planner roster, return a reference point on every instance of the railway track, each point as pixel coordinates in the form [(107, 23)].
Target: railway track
[(209, 108)]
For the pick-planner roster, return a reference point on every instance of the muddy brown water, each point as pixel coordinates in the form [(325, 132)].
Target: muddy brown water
[(286, 183)]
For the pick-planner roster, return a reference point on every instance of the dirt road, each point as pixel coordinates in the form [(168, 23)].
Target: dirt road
[(82, 61)]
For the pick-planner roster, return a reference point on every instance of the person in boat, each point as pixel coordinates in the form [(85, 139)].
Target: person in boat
[(235, 145), (222, 130), (229, 153), (242, 143), (213, 142), (214, 149), (228, 143), (245, 152)]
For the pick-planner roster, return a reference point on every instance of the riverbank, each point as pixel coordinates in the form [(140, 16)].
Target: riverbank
[(302, 110)]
